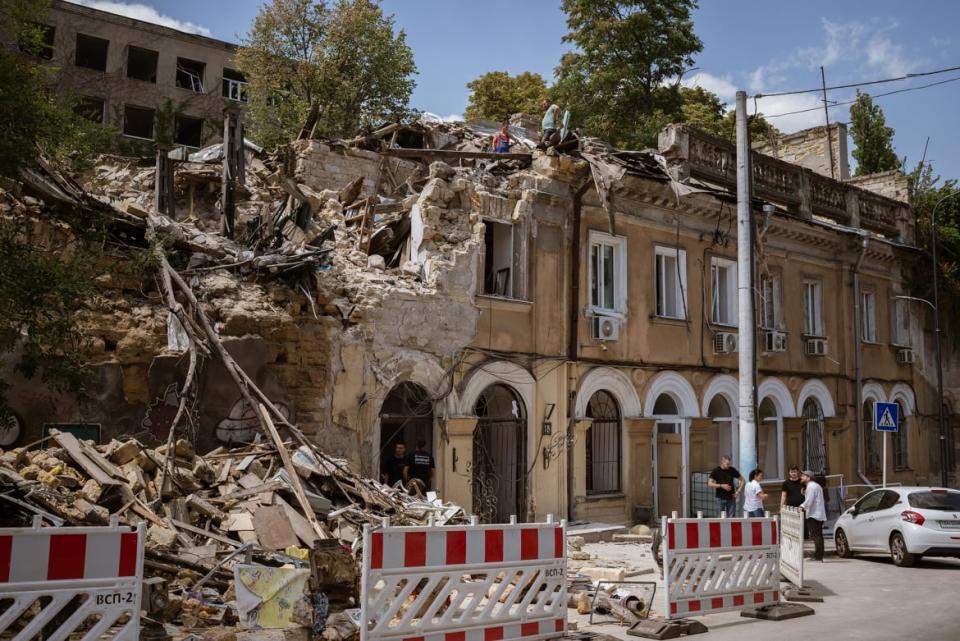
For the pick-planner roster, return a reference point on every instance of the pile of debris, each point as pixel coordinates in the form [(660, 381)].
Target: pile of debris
[(217, 524)]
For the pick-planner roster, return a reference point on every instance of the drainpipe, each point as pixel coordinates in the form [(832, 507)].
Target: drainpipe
[(573, 338), (857, 354)]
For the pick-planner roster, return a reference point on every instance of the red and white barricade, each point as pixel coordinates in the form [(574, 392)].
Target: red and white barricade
[(464, 582), (83, 578), (712, 565), (791, 544)]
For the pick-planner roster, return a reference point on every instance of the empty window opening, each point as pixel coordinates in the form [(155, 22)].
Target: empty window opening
[(138, 122), (671, 282), (92, 52), (234, 85), (498, 259), (90, 108), (189, 131), (190, 74), (724, 278), (40, 43), (142, 64)]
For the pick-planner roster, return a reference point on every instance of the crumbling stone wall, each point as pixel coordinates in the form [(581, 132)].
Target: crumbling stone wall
[(892, 184), (811, 148)]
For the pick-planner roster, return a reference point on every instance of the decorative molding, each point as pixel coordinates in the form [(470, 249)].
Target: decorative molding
[(816, 389), (725, 385), (777, 391), (678, 388), (609, 380)]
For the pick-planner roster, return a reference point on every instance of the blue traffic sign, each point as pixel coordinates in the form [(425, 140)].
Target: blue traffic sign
[(886, 417)]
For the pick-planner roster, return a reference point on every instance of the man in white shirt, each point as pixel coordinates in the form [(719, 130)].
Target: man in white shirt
[(754, 495), (816, 511)]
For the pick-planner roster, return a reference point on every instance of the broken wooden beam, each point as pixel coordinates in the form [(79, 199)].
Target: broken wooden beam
[(453, 154)]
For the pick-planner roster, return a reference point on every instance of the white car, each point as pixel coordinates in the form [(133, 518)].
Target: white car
[(907, 522)]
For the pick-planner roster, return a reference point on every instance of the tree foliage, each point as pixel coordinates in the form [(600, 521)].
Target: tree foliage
[(617, 80), (872, 138), (346, 58), (496, 95), (32, 117), (705, 110)]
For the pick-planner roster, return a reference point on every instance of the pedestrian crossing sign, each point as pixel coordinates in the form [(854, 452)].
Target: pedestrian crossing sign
[(886, 417)]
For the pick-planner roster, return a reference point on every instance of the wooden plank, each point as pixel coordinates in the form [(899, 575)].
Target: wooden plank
[(70, 443), (292, 473), (249, 480), (239, 494), (101, 461), (273, 528), (213, 535), (453, 154), (225, 471), (301, 526)]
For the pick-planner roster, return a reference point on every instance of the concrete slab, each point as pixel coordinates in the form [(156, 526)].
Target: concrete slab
[(596, 532)]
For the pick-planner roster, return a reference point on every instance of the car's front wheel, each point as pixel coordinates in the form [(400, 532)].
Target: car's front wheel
[(842, 545), (898, 552)]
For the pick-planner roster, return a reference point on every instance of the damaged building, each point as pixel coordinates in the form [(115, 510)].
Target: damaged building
[(558, 327)]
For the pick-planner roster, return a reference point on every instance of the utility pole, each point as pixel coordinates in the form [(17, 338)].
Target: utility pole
[(746, 325), (826, 120)]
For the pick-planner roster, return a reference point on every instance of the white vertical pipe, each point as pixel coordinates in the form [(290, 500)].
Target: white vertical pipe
[(746, 325)]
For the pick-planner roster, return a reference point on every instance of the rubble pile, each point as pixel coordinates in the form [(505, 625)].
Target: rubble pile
[(216, 519)]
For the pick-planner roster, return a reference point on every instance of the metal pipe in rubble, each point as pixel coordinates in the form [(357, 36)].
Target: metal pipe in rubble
[(857, 355), (746, 325)]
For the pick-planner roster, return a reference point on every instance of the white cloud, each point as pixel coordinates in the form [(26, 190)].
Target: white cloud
[(885, 55), (144, 12), (810, 104), (723, 87)]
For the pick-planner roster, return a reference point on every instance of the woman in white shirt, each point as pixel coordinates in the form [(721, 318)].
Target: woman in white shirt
[(754, 495)]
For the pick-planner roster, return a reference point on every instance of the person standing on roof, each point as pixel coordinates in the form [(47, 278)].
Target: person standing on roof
[(550, 123), (501, 142)]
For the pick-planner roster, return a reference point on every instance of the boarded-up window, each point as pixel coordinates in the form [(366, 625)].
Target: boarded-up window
[(603, 445)]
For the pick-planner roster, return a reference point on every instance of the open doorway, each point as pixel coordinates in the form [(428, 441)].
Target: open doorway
[(499, 455), (406, 416), (669, 456)]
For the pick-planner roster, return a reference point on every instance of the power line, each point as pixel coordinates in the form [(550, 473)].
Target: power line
[(879, 95), (859, 84)]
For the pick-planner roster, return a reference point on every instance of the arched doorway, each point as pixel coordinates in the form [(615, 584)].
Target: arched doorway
[(814, 437), (669, 450), (723, 439), (603, 445), (406, 416), (499, 455), (769, 440)]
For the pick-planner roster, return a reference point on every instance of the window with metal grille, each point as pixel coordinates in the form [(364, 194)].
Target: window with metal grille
[(603, 445), (814, 441), (901, 440)]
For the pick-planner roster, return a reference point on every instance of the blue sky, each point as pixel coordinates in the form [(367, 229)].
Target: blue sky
[(755, 45)]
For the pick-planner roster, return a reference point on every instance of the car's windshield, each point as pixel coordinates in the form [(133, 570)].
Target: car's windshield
[(935, 500)]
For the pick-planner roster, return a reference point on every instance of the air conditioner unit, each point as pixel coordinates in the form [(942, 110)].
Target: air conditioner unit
[(816, 346), (774, 342), (606, 328), (725, 342), (905, 356)]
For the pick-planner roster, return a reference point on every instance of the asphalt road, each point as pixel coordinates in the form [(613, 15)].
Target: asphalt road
[(866, 598)]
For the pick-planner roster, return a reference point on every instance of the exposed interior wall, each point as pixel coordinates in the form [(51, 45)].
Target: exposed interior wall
[(812, 148)]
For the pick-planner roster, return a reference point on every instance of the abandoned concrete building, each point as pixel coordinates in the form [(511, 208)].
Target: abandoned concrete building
[(124, 70), (559, 328)]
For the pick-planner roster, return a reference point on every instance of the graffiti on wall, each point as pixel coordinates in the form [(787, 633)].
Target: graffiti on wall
[(242, 424)]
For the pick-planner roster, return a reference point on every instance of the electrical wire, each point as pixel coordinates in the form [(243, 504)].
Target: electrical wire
[(858, 84), (850, 102)]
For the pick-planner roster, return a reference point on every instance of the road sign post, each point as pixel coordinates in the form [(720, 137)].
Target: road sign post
[(886, 418)]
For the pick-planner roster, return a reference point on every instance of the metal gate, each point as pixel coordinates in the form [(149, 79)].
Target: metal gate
[(499, 456), (791, 544), (464, 582), (814, 437), (78, 582), (712, 565)]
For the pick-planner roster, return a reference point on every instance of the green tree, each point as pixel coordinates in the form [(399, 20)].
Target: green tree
[(872, 138), (616, 81), (497, 95), (705, 110), (345, 60), (928, 190)]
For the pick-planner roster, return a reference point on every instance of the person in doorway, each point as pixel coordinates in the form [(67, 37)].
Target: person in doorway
[(791, 493), (420, 466), (393, 467), (816, 512), (550, 125), (501, 141), (728, 483), (753, 495)]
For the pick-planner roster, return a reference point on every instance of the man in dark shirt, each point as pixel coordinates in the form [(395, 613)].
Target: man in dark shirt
[(393, 467), (420, 466), (792, 492), (728, 482)]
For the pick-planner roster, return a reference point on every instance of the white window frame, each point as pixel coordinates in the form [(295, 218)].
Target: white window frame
[(770, 294), (725, 315), (900, 323), (868, 316), (813, 310), (679, 283), (599, 239)]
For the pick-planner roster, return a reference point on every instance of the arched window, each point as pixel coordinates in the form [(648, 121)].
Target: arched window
[(871, 440), (603, 445), (769, 447), (814, 437), (722, 415), (901, 439)]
